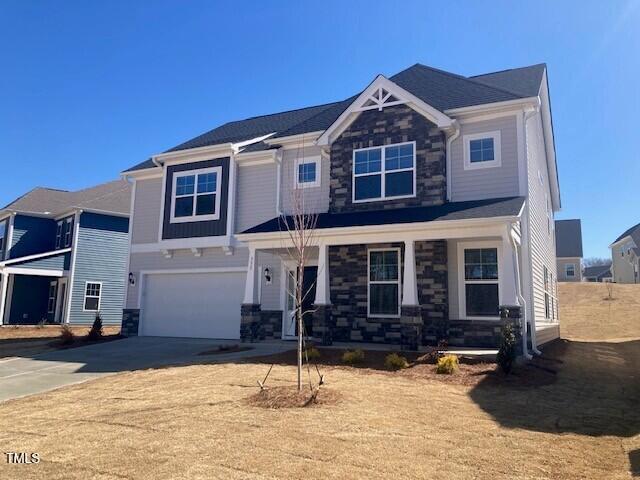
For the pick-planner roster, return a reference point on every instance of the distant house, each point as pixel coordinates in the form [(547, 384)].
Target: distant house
[(569, 250), (625, 256), (63, 255), (597, 273)]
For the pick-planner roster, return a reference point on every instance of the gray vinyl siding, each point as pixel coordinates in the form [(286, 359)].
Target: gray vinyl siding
[(54, 262), (561, 267), (255, 195), (483, 183), (622, 268), (146, 211), (542, 243), (270, 294), (101, 255), (181, 259), (316, 199)]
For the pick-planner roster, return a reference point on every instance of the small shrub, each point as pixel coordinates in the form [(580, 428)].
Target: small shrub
[(41, 323), (507, 352), (312, 353), (96, 329), (447, 364), (67, 337), (393, 361), (353, 357)]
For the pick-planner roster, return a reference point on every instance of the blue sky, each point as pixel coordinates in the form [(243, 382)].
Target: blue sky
[(88, 89)]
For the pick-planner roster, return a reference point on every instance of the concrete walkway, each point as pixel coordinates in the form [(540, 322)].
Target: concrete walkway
[(21, 376)]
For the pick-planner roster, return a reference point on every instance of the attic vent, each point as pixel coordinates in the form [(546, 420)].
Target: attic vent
[(379, 99)]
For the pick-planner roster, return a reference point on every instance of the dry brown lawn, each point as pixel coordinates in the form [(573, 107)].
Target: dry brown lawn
[(28, 341), (194, 422), (586, 316)]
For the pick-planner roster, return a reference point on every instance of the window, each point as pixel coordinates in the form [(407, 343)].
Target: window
[(550, 294), (68, 231), (570, 270), (196, 195), (92, 296), (51, 304), (481, 282), (383, 173), (3, 236), (384, 283), (59, 228), (547, 297), (482, 150), (307, 172)]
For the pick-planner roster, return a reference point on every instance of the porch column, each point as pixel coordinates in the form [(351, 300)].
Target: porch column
[(250, 309), (4, 281), (322, 321), (411, 316), (409, 285)]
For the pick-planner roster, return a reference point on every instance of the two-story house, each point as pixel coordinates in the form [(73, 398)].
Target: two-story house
[(435, 195), (569, 250), (63, 255), (625, 256)]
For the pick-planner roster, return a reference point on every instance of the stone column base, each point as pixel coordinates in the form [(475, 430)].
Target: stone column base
[(250, 322), (410, 327), (130, 322), (323, 324)]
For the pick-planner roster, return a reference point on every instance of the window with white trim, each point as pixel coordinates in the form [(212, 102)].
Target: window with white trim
[(68, 231), (59, 229), (92, 293), (196, 195), (3, 236), (550, 295), (384, 283), (384, 173), (482, 150), (570, 270), (51, 302), (307, 172), (481, 282)]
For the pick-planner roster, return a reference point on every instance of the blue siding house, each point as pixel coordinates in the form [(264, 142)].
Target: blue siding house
[(63, 255)]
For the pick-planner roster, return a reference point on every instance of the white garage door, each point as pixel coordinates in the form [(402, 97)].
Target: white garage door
[(198, 305)]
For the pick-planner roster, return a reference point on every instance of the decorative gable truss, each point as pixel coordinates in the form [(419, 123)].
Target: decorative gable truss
[(382, 93)]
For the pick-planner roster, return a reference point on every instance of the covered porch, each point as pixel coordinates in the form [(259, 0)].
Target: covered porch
[(409, 284), (34, 289)]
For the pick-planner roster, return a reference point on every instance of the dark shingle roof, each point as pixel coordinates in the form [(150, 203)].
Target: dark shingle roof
[(496, 207), (442, 90), (633, 232), (597, 271), (568, 238), (112, 196)]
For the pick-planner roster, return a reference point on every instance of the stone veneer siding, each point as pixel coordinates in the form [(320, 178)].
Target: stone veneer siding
[(395, 124), (130, 322), (257, 324), (348, 286)]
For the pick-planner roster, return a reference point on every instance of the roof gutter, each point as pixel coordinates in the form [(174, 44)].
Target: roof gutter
[(492, 107)]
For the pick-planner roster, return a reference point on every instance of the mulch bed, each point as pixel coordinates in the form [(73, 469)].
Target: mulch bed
[(541, 371), (290, 397), (83, 342)]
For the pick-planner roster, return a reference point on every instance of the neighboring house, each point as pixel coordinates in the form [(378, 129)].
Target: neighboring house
[(625, 256), (63, 255), (435, 194), (597, 273), (569, 250)]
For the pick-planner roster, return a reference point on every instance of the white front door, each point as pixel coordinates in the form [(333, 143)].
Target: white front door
[(289, 311)]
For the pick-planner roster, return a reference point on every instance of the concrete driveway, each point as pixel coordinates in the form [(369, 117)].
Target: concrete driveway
[(20, 376)]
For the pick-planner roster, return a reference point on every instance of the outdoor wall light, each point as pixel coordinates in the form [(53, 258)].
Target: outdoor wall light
[(132, 279), (267, 275)]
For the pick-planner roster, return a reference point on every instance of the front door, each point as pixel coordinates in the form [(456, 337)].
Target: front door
[(290, 326), (61, 302)]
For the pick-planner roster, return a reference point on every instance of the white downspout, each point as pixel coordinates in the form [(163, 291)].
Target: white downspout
[(279, 154), (456, 134), (521, 299)]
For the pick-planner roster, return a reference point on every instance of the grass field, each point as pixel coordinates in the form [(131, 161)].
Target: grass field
[(194, 422)]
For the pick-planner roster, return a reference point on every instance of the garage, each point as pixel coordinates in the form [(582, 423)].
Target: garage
[(198, 305)]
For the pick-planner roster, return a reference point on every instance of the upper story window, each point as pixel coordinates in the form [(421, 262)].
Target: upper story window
[(64, 232), (482, 150), (307, 172), (570, 270), (384, 173), (3, 236), (196, 195)]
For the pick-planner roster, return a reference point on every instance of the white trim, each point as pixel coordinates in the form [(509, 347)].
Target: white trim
[(162, 203), (497, 150), (184, 243), (143, 174), (34, 271), (7, 311), (196, 173), (566, 270), (623, 239), (398, 282), (58, 316), (383, 172), (300, 140), (462, 304), (492, 107), (85, 296), (346, 118), (232, 190), (4, 281), (34, 257), (317, 160), (125, 297), (76, 235), (54, 306)]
